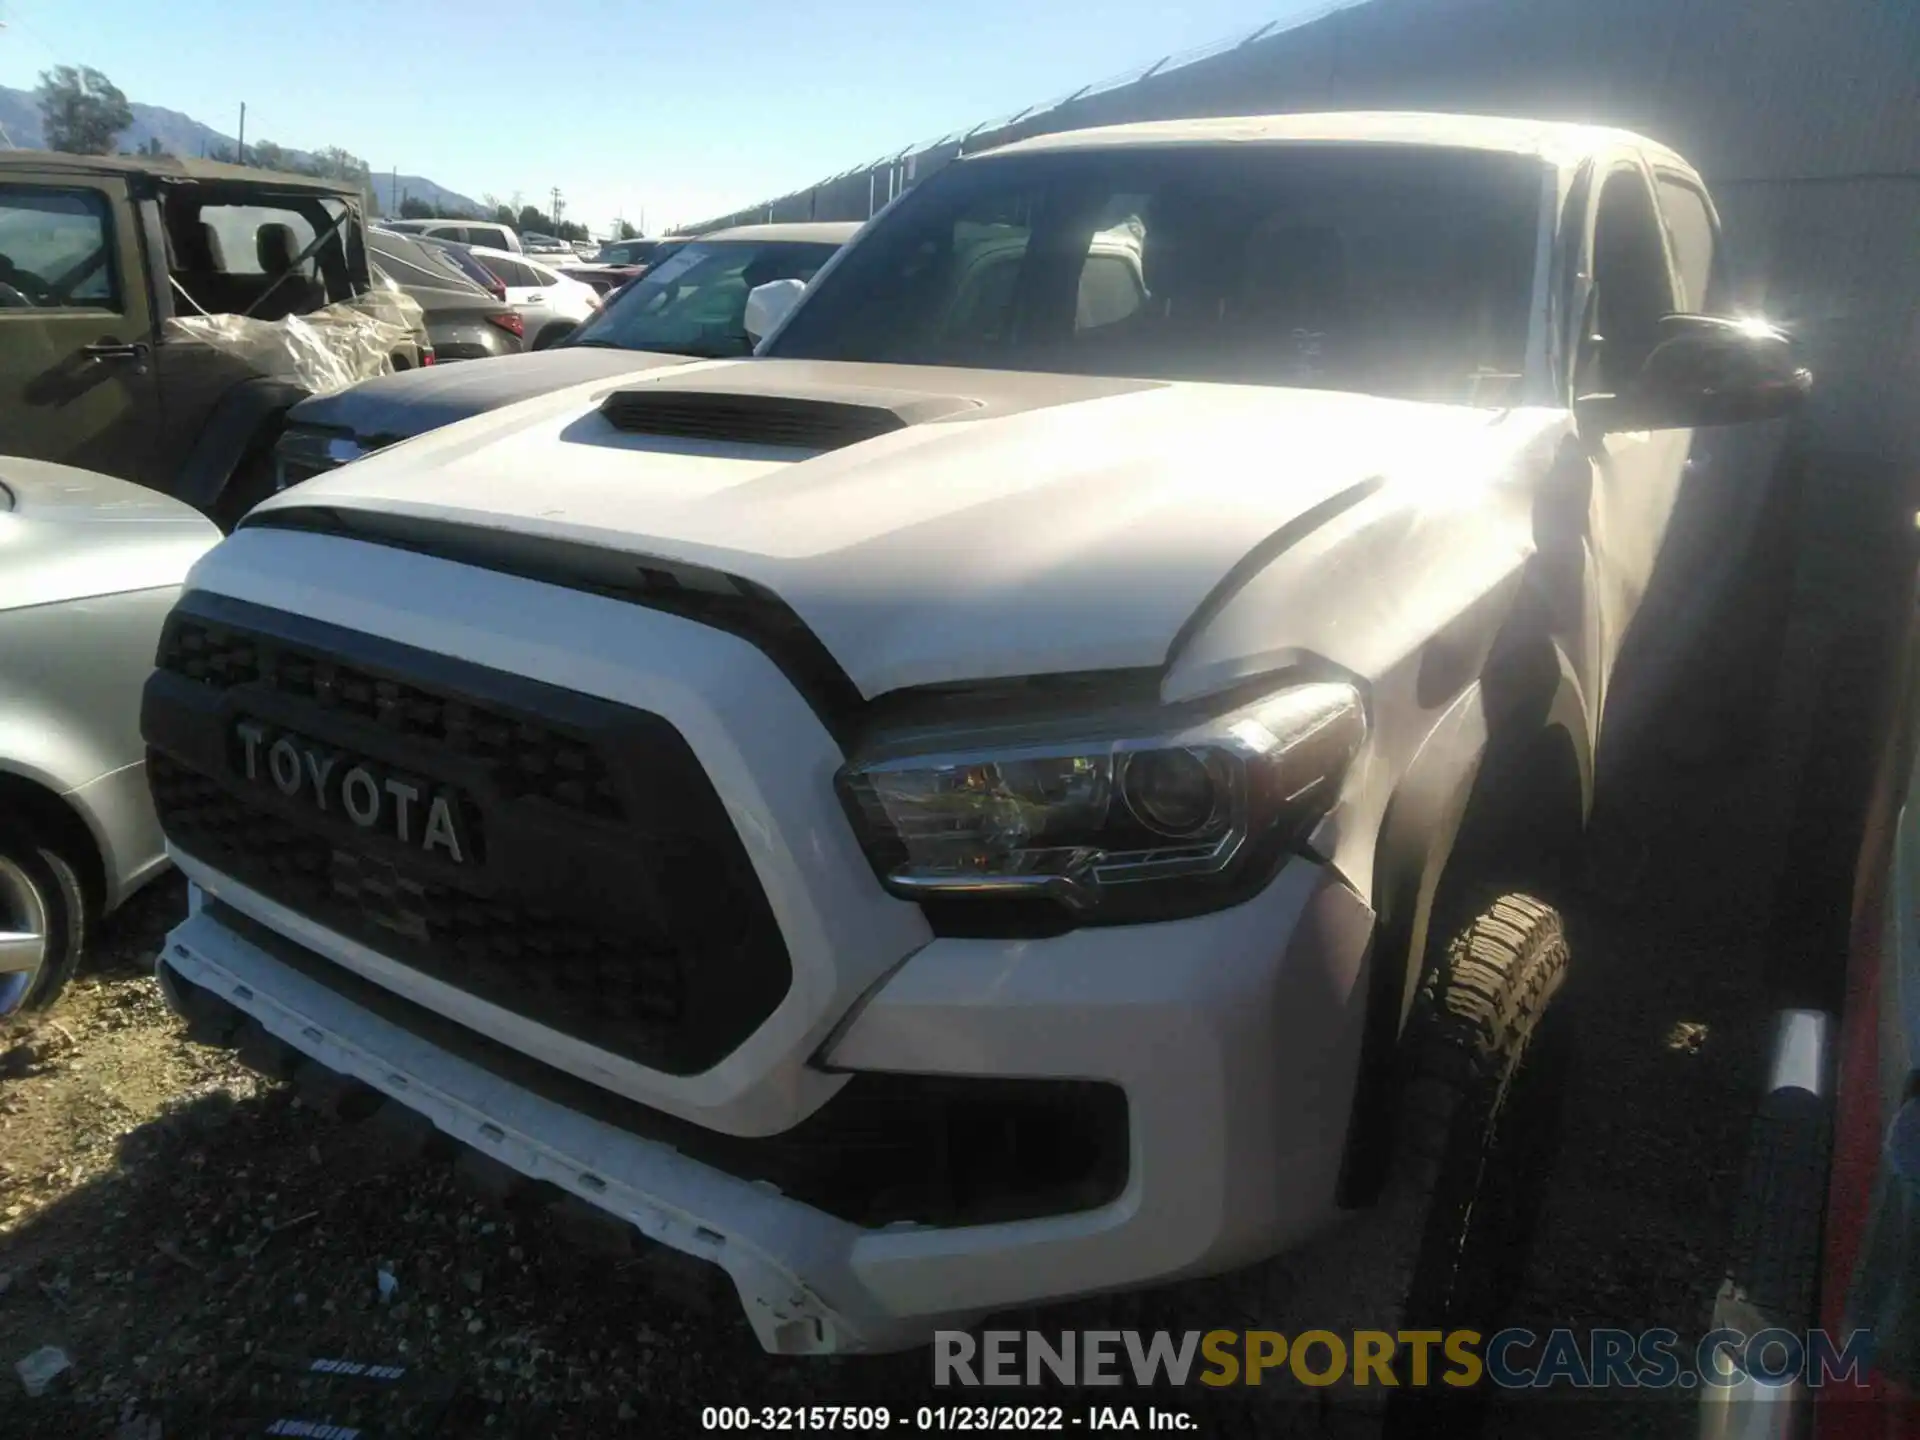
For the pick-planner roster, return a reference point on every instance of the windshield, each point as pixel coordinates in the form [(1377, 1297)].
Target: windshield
[(695, 301), (1386, 270)]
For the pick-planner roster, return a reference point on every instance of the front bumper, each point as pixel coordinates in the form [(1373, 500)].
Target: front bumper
[(1235, 1037)]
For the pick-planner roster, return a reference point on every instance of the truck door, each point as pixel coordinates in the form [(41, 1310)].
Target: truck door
[(76, 330), (1637, 474)]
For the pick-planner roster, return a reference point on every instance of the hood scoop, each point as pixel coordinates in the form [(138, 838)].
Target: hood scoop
[(827, 421)]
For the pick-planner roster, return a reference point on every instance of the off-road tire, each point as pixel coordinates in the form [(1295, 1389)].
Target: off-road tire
[(1476, 1030), (62, 902), (1444, 1248)]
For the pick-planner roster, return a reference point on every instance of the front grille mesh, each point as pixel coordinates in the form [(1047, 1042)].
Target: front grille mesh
[(528, 759), (605, 891), (584, 981)]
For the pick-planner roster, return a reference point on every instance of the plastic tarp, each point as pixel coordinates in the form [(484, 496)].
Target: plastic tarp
[(323, 351)]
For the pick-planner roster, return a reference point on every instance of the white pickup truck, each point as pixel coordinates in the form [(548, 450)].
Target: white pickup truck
[(1031, 784)]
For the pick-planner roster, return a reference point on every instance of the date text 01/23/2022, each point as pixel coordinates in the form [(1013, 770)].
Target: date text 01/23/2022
[(975, 1419)]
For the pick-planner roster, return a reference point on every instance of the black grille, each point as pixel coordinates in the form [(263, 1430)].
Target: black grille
[(574, 977), (605, 892), (530, 759), (749, 419)]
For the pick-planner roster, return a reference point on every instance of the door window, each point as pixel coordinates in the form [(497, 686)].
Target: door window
[(1632, 286), (56, 250), (512, 273)]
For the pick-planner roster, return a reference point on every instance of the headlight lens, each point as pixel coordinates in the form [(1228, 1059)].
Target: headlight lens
[(1079, 812)]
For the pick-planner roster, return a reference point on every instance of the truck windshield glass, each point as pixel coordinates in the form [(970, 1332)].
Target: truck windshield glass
[(1387, 270), (695, 302)]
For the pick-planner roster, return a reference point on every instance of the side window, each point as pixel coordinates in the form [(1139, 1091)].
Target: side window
[(512, 273), (1690, 230), (1631, 284), (1110, 290), (56, 250)]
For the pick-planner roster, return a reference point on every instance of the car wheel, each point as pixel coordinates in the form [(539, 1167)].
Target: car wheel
[(1482, 1066), (1484, 1073), (42, 923)]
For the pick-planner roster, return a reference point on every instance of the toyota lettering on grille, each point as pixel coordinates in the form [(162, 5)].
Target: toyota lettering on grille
[(370, 796)]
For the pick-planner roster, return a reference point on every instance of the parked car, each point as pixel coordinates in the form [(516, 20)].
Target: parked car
[(535, 243), (93, 566), (1825, 1218), (605, 279), (685, 310), (996, 796), (464, 232), (627, 252), (461, 258), (550, 305), (465, 320), (100, 254)]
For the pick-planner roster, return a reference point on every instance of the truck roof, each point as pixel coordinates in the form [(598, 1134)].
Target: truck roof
[(169, 167), (827, 232), (1553, 140)]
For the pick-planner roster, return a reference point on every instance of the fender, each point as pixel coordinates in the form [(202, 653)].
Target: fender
[(231, 433), (1418, 833)]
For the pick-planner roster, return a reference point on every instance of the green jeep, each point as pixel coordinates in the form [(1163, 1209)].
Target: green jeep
[(139, 297)]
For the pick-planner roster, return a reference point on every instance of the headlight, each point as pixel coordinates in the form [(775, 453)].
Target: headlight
[(1107, 812)]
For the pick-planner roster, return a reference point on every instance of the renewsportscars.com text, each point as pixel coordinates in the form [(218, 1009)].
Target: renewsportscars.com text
[(1512, 1359)]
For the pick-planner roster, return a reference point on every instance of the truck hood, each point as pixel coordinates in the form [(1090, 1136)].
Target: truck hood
[(1015, 525), (412, 402)]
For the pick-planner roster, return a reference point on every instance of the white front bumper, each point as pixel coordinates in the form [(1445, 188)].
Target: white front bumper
[(1234, 1035)]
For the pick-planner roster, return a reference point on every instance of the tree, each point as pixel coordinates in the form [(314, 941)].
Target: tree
[(269, 156), (625, 231), (81, 111), (530, 218), (502, 215)]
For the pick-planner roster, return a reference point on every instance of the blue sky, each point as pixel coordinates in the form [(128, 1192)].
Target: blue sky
[(682, 107)]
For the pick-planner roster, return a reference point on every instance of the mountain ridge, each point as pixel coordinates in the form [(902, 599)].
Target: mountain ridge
[(180, 134)]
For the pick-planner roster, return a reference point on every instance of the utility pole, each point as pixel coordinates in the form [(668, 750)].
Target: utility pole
[(555, 212), (241, 158), (393, 193)]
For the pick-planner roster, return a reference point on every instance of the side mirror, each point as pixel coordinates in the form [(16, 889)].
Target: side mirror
[(768, 304), (1705, 370)]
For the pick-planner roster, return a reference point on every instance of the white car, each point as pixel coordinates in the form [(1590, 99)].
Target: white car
[(1029, 785), (461, 232), (549, 304)]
